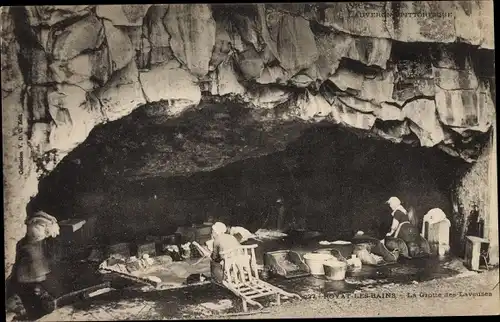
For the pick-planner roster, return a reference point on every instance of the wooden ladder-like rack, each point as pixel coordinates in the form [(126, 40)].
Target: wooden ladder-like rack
[(242, 278)]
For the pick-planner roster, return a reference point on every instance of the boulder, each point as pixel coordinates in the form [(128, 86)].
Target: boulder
[(192, 31), (471, 109), (388, 112), (453, 72), (122, 93), (320, 70), (424, 121), (84, 34), (120, 48), (160, 55), (135, 35), (357, 104), (412, 78), (123, 15), (333, 46), (346, 79), (227, 34), (168, 81), (370, 51), (266, 32), (310, 107), (157, 34), (350, 117), (474, 22), (379, 88), (273, 74), (449, 79), (393, 131), (247, 30), (273, 19), (47, 15), (301, 80), (222, 46), (88, 71), (225, 81), (250, 64), (296, 45), (268, 97), (72, 117)]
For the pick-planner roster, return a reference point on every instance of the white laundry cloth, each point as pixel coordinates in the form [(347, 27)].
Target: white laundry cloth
[(433, 216), (245, 234)]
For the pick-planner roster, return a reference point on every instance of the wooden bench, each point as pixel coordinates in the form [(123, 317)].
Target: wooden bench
[(242, 278)]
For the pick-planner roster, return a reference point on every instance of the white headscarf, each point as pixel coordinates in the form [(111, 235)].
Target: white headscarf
[(219, 227), (394, 201)]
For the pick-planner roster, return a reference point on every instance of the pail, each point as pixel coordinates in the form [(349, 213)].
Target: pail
[(315, 262), (335, 270)]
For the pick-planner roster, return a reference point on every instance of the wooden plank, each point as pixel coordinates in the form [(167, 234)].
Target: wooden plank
[(262, 295), (251, 292)]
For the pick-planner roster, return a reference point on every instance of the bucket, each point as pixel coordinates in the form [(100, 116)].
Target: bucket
[(315, 262), (335, 270)]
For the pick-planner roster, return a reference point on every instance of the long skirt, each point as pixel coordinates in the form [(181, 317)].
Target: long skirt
[(32, 296), (408, 233), (216, 272), (416, 244)]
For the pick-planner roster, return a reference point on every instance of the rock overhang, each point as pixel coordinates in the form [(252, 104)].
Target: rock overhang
[(306, 62)]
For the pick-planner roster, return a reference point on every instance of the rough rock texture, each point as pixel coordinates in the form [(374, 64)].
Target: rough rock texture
[(66, 69), (412, 21), (192, 35), (483, 174), (20, 181), (168, 81)]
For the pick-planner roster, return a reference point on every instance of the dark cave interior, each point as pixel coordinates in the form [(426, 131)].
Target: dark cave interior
[(332, 179)]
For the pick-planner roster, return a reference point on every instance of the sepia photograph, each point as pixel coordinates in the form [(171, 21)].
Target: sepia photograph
[(249, 161)]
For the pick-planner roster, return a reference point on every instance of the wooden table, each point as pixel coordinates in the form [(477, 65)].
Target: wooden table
[(474, 248)]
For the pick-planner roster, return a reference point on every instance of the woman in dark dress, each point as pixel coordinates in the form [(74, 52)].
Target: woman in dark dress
[(32, 265), (401, 226), (404, 230)]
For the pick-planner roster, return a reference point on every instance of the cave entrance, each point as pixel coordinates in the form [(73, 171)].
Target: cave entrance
[(331, 179)]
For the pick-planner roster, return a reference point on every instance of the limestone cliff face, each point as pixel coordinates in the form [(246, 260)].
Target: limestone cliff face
[(377, 67)]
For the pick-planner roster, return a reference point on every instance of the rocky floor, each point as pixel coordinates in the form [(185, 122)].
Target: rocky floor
[(321, 298), (429, 300)]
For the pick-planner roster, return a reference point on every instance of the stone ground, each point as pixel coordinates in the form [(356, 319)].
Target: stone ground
[(156, 305), (404, 305)]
